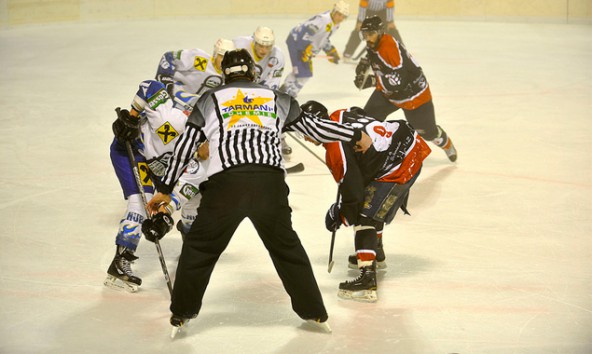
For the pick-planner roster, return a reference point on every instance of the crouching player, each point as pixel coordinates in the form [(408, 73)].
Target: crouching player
[(152, 127), (372, 186)]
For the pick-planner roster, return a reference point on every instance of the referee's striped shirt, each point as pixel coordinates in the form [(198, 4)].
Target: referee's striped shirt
[(243, 123), (382, 8)]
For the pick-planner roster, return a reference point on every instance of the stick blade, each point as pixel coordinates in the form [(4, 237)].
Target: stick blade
[(330, 268), (296, 168)]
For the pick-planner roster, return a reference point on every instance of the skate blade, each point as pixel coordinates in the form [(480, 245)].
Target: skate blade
[(322, 326), (360, 295), (379, 265), (118, 284), (176, 330)]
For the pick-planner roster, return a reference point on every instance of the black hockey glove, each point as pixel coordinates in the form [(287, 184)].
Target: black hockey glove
[(126, 127), (333, 218), (365, 81), (156, 227), (363, 66), (168, 82)]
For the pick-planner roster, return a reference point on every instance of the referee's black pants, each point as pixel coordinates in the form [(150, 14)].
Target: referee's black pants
[(260, 194)]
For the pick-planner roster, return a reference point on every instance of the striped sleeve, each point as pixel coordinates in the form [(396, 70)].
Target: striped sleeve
[(184, 150), (362, 10), (390, 11), (323, 130)]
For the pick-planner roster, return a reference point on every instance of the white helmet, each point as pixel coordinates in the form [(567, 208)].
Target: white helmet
[(342, 7), (222, 46), (264, 36)]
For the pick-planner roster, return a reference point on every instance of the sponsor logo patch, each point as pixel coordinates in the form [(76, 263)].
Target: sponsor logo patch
[(200, 63), (167, 133)]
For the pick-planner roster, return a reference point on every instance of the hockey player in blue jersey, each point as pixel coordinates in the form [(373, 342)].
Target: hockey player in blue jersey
[(307, 39)]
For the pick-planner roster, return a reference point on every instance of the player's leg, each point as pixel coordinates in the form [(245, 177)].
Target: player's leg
[(423, 120), (120, 274), (378, 107)]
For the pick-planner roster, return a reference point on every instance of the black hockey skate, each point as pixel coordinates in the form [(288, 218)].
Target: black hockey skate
[(119, 274), (363, 288), (380, 258), (446, 144)]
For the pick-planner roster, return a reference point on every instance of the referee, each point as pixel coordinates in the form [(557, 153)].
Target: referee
[(243, 123)]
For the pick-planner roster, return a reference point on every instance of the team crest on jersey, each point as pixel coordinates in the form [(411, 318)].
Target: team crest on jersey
[(329, 27), (247, 106), (167, 133), (200, 63)]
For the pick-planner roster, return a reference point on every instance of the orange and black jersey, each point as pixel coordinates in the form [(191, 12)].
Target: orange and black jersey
[(396, 155), (398, 76)]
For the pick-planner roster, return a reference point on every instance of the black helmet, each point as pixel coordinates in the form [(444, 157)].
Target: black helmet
[(373, 23), (315, 109), (238, 64)]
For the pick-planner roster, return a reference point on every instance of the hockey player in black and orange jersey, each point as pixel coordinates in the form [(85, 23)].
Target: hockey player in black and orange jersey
[(400, 84), (372, 186)]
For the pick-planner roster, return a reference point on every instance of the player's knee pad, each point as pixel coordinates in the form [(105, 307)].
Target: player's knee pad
[(130, 226)]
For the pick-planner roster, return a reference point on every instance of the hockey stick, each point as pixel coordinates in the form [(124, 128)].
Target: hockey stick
[(331, 261), (306, 147), (132, 161), (359, 55), (299, 167)]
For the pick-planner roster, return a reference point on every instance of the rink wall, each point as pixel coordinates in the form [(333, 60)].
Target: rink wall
[(23, 12)]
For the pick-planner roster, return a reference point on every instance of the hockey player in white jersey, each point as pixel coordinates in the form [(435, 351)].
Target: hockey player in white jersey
[(152, 126), (269, 64), (194, 70), (307, 39), (269, 58)]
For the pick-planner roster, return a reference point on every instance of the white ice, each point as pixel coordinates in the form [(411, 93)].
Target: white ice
[(495, 258)]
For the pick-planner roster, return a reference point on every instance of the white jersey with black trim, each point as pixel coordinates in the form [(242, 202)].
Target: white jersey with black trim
[(194, 71), (243, 122), (270, 68)]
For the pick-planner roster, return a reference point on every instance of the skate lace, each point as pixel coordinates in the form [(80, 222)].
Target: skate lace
[(125, 266), (359, 278)]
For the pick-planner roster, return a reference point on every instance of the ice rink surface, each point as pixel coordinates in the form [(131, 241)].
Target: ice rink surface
[(495, 257)]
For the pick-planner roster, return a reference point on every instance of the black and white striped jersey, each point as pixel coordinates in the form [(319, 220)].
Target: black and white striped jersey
[(243, 122)]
